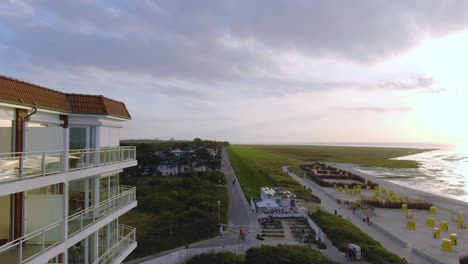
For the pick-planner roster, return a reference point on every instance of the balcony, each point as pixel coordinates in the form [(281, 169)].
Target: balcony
[(31, 245), (83, 219), (125, 245), (24, 165)]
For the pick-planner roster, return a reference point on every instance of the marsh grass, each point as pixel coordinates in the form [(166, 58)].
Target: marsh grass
[(364, 156)]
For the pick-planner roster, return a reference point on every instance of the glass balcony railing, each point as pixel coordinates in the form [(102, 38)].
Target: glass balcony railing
[(22, 165), (87, 158), (25, 248), (126, 237), (89, 216)]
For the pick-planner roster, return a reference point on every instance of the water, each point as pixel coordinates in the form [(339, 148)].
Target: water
[(443, 171)]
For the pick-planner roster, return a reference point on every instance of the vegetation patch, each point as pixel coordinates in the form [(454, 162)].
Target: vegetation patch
[(217, 258), (285, 254), (175, 211), (397, 205), (257, 169), (342, 232), (364, 156)]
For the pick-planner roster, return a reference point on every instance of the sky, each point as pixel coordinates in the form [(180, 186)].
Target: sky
[(254, 70)]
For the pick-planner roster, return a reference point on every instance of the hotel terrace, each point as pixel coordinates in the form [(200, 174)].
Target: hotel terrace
[(60, 198)]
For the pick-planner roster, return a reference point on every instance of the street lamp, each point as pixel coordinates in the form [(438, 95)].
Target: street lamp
[(219, 202)]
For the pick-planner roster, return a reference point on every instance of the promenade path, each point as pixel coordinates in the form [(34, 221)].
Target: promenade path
[(240, 214), (331, 204)]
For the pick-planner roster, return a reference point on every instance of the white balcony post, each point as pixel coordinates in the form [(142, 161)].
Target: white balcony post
[(96, 196), (43, 164), (43, 241), (20, 252), (21, 165), (96, 246), (86, 251), (66, 149), (65, 211), (86, 191)]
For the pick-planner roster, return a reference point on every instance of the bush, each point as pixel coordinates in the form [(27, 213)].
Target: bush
[(397, 205), (285, 254), (342, 232), (217, 258)]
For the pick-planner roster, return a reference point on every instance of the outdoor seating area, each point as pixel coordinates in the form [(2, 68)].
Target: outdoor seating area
[(271, 227), (301, 230)]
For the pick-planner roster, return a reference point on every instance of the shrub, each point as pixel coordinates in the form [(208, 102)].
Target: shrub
[(285, 254), (397, 205), (342, 232), (217, 258)]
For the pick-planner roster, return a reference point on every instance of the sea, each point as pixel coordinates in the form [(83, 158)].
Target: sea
[(443, 170)]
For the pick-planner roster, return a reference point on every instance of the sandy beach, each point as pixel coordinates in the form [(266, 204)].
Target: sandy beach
[(392, 222), (446, 203)]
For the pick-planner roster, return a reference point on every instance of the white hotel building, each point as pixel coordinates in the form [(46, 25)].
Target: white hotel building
[(60, 197)]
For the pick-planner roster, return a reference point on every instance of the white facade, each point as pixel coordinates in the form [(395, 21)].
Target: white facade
[(60, 198)]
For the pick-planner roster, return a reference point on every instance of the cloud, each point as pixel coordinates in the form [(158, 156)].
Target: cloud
[(375, 109), (176, 39)]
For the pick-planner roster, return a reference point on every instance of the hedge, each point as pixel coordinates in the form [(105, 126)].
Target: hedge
[(284, 254), (342, 232), (217, 258)]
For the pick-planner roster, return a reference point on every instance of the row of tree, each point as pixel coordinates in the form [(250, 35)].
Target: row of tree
[(205, 155)]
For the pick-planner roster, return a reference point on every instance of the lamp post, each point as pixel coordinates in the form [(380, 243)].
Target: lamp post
[(219, 202)]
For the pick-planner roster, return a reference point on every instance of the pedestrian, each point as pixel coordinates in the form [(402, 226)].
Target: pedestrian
[(354, 210), (367, 220), (346, 251)]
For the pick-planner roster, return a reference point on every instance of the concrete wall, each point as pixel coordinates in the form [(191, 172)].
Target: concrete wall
[(5, 216), (109, 136), (316, 228)]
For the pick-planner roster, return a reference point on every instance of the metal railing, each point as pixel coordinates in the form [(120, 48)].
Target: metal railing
[(20, 165), (87, 158), (32, 244), (126, 237), (25, 248), (89, 216)]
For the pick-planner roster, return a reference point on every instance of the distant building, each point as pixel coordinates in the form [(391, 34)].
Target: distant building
[(177, 161)]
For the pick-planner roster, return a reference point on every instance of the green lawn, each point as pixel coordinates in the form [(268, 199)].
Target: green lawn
[(257, 169), (365, 156), (185, 204)]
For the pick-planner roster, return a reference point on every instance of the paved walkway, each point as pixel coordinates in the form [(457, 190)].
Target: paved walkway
[(330, 205), (240, 214)]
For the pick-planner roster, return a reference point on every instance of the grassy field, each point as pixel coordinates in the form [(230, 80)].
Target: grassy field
[(257, 169), (364, 156), (184, 204)]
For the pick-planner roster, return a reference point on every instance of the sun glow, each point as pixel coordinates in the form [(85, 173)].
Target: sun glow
[(440, 113)]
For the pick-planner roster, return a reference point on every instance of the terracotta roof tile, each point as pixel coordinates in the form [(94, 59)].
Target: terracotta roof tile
[(23, 93), (116, 108)]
